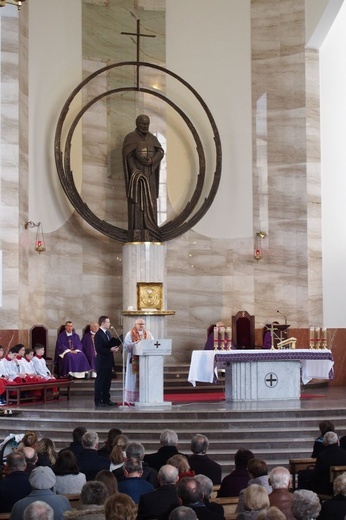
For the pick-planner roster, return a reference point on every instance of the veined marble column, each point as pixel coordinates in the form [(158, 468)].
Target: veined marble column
[(144, 262)]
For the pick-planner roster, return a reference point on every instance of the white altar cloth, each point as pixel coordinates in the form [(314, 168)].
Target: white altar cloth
[(205, 363)]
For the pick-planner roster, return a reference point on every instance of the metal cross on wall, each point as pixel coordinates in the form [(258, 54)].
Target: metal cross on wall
[(138, 36)]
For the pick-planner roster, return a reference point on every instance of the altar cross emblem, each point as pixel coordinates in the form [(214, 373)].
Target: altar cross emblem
[(157, 344), (271, 380)]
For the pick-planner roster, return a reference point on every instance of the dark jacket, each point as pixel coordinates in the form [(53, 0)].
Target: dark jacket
[(135, 487), (333, 455), (233, 483), (15, 486), (76, 448), (159, 459), (204, 513), (334, 508), (202, 464), (158, 502), (90, 463)]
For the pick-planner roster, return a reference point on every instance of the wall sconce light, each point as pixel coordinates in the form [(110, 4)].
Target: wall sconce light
[(40, 246), (259, 236)]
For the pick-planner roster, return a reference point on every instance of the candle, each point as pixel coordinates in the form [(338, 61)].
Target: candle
[(324, 333), (312, 333), (216, 334), (222, 334), (229, 338)]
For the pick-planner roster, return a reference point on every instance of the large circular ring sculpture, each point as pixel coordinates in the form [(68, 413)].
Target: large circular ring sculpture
[(187, 218)]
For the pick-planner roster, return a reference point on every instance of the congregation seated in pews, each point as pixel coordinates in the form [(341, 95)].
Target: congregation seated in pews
[(90, 480)]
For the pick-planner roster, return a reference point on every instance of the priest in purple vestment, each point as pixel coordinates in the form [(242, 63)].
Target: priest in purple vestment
[(69, 354), (88, 343)]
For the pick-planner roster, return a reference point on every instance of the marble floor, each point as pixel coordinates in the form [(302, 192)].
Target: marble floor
[(313, 398)]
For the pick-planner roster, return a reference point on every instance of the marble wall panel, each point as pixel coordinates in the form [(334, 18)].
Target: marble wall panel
[(208, 279), (198, 302)]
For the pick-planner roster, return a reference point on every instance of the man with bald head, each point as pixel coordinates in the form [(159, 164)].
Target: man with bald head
[(88, 342), (15, 485), (164, 499), (132, 362)]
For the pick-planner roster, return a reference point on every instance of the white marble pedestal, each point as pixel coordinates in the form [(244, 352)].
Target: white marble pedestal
[(151, 357), (247, 381)]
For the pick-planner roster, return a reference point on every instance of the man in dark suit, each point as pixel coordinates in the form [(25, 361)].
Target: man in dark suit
[(89, 461), (191, 495), (333, 455), (15, 485), (105, 345), (165, 498), (335, 508), (169, 442), (76, 445), (200, 462)]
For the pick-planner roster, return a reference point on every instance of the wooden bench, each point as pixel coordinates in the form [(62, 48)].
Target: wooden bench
[(216, 488), (335, 471), (20, 389), (296, 465), (5, 516), (229, 505), (74, 499)]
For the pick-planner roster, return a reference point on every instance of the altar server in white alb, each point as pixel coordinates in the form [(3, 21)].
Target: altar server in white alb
[(132, 362), (40, 363)]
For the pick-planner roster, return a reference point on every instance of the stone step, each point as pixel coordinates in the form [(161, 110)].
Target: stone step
[(272, 431)]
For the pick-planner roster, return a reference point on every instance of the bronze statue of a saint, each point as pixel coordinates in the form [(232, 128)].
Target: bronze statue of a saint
[(142, 155)]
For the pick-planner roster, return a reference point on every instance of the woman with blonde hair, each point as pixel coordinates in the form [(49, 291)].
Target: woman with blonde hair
[(46, 452), (181, 463), (255, 501), (118, 454)]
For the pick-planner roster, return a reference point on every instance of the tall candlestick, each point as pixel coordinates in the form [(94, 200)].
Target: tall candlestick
[(216, 338), (317, 337), (312, 337), (222, 334), (229, 338), (324, 338)]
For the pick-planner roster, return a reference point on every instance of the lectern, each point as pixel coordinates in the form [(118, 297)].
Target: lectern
[(151, 354)]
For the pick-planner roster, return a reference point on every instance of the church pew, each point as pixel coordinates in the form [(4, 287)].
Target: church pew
[(216, 488), (21, 388), (335, 471), (229, 506), (73, 498), (296, 465)]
